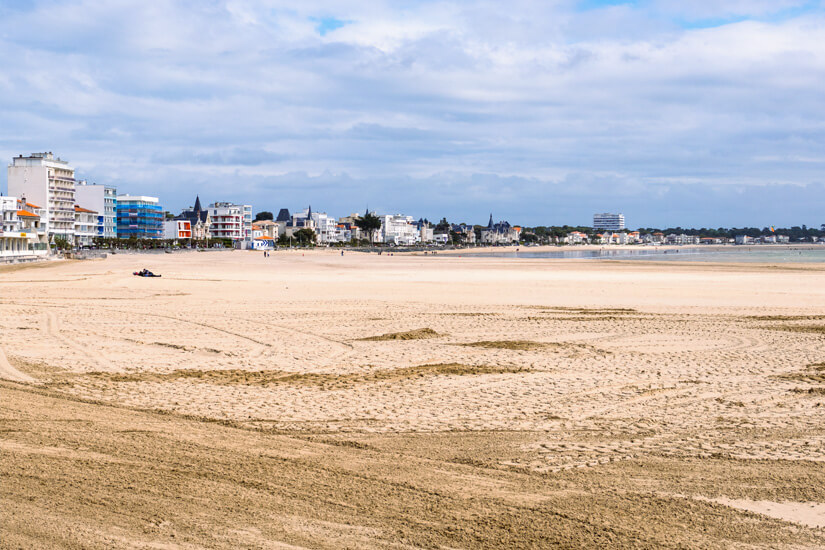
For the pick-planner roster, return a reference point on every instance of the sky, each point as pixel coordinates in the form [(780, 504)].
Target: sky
[(693, 114)]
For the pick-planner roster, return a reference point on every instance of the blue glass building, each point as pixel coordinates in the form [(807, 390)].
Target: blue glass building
[(139, 216)]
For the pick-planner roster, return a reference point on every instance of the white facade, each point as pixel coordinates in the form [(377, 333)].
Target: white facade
[(49, 182), (247, 222), (608, 222), (85, 226), (21, 232), (103, 200), (399, 230), (576, 237), (325, 227), (227, 221), (177, 229), (682, 239), (441, 238)]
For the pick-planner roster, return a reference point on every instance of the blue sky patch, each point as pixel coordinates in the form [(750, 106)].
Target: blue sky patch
[(328, 24)]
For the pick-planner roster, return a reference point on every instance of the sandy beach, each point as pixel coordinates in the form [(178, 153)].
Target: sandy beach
[(315, 400)]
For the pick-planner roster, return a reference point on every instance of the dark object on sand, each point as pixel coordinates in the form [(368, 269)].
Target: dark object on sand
[(145, 273)]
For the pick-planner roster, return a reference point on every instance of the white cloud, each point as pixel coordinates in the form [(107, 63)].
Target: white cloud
[(169, 93)]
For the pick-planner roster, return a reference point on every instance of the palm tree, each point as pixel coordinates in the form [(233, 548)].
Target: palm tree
[(368, 223)]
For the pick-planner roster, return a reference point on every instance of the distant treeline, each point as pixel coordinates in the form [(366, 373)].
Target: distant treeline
[(796, 233)]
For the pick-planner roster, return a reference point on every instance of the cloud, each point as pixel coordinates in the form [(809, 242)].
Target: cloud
[(453, 107)]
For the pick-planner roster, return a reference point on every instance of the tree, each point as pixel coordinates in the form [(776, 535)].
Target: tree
[(442, 226), (61, 243), (264, 216), (304, 236), (369, 223)]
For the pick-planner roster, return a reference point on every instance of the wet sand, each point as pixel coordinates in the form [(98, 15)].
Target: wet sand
[(314, 400)]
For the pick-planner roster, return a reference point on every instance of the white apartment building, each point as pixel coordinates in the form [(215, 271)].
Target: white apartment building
[(608, 222), (247, 222), (85, 226), (325, 227), (399, 230), (682, 239), (426, 234), (21, 232), (103, 200), (228, 221), (576, 237), (42, 179)]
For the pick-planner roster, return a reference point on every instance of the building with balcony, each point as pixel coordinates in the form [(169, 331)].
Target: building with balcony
[(139, 216), (48, 181), (399, 230), (22, 234), (608, 222), (227, 221), (103, 200), (85, 226), (247, 222)]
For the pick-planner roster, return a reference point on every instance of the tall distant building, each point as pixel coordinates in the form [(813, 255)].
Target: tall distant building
[(229, 221), (247, 222), (139, 216), (608, 222), (49, 182), (103, 200)]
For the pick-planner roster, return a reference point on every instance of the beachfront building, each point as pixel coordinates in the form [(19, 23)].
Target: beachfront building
[(304, 219), (398, 230), (426, 232), (199, 221), (325, 227), (228, 221), (247, 222), (103, 200), (139, 217), (22, 234), (177, 230), (282, 220), (501, 233), (441, 238), (347, 230), (466, 233), (576, 237), (343, 232), (608, 222), (265, 228), (85, 226), (681, 239), (48, 181)]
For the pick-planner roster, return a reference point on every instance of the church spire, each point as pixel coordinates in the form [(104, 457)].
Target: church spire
[(490, 224), (197, 207)]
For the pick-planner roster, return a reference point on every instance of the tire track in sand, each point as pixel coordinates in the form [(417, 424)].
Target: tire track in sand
[(8, 372), (53, 330)]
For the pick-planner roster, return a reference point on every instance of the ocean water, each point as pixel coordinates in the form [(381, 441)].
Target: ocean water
[(734, 254)]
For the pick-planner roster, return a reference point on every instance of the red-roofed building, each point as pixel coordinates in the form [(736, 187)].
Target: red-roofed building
[(85, 226), (22, 235)]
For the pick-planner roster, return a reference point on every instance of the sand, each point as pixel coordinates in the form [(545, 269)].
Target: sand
[(313, 400)]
